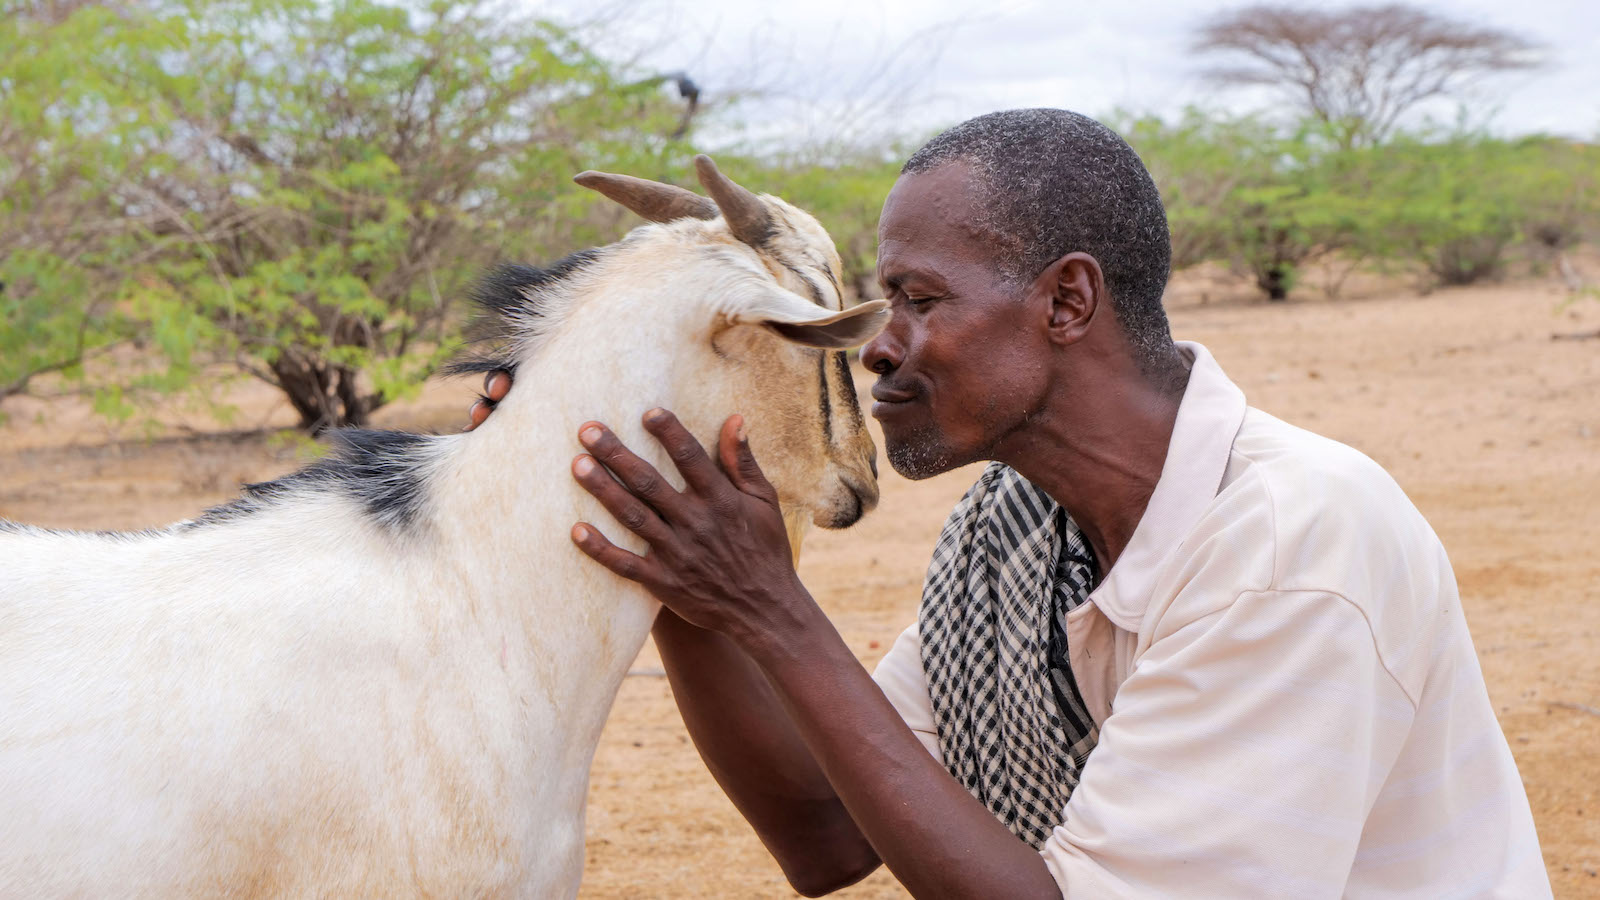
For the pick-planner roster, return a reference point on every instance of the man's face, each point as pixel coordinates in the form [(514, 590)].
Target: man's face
[(963, 363)]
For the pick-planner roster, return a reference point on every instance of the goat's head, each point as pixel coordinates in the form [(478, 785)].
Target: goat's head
[(780, 328), (739, 295)]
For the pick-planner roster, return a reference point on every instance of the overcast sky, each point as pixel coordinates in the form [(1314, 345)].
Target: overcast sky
[(859, 66)]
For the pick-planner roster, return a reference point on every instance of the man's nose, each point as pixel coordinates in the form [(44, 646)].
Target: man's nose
[(884, 353)]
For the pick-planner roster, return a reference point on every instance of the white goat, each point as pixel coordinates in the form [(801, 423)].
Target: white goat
[(385, 675)]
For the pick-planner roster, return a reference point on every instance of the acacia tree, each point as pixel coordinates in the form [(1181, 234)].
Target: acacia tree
[(1360, 68), (298, 187), (344, 167)]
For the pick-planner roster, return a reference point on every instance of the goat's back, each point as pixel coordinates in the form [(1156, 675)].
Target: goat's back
[(253, 709)]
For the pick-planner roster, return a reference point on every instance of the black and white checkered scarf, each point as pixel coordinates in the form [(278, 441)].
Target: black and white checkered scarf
[(1010, 564)]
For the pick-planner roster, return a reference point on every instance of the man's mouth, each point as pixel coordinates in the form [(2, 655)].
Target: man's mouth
[(890, 399)]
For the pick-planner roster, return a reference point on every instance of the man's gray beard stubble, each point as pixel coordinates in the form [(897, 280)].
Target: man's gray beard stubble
[(922, 454), (925, 452)]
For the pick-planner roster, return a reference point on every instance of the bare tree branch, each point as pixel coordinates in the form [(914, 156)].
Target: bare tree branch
[(1361, 68)]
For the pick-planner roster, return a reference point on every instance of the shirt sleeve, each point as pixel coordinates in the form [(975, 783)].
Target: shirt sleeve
[(1240, 759), (899, 675)]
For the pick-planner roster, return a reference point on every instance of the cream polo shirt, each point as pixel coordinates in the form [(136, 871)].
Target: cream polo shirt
[(1288, 699)]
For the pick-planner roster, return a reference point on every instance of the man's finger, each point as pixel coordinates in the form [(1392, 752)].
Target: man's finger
[(629, 565), (496, 385), (639, 476), (625, 507), (477, 414), (734, 448), (687, 455)]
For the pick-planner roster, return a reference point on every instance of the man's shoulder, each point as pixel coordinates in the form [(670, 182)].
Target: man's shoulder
[(1329, 504), (1291, 456), (1329, 519)]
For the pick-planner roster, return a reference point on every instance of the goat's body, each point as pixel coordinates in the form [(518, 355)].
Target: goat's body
[(248, 708)]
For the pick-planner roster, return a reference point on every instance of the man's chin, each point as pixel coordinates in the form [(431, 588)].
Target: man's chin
[(919, 456)]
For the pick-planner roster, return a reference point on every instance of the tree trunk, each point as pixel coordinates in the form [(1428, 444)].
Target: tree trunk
[(326, 396), (1274, 280), (357, 408)]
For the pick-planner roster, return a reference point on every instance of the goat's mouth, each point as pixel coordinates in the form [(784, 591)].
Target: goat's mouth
[(862, 499)]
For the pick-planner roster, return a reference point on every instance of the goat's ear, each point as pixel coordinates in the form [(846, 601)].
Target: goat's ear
[(804, 322)]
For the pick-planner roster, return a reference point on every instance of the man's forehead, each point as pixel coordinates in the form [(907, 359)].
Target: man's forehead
[(900, 261), (942, 193), (930, 222)]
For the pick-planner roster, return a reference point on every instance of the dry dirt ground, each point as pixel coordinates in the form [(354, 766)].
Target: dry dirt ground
[(1490, 425)]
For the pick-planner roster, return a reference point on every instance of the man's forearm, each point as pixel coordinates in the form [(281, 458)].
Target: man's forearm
[(719, 559), (754, 751), (936, 838)]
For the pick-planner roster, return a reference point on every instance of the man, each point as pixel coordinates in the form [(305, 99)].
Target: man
[(1169, 646)]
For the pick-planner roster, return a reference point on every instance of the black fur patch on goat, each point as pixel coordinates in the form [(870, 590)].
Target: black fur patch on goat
[(510, 297), (811, 286), (826, 397), (847, 387), (382, 470), (833, 280)]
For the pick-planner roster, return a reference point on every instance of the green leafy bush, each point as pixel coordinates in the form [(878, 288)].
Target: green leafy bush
[(301, 189), (1241, 190), (1268, 199), (77, 120)]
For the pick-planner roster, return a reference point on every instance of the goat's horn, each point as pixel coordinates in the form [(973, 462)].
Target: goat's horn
[(748, 218), (650, 199)]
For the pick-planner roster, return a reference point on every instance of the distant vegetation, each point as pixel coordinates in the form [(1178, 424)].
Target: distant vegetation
[(300, 190), (1449, 206)]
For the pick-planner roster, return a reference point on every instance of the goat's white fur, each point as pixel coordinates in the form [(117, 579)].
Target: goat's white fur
[(306, 702)]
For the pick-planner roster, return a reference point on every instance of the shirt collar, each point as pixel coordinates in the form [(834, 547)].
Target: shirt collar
[(1209, 417)]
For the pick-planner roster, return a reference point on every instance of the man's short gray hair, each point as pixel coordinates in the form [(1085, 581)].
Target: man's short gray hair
[(1053, 182)]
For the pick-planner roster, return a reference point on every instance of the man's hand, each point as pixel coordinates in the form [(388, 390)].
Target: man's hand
[(719, 560), (719, 554), (496, 385)]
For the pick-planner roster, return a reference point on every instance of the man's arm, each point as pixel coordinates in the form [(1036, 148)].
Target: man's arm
[(719, 560), (751, 746)]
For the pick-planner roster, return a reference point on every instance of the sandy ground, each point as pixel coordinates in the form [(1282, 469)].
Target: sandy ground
[(1490, 425)]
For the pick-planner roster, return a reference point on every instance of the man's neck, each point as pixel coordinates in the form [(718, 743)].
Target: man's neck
[(1099, 453)]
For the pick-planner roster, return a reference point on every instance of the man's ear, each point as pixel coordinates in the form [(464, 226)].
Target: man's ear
[(1075, 289), (799, 320)]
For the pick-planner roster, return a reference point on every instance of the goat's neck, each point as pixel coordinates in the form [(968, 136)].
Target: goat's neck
[(509, 492)]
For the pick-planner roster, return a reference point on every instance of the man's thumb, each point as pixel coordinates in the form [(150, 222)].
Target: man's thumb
[(739, 462)]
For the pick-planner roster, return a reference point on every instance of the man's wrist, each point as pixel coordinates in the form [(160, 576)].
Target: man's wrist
[(795, 631)]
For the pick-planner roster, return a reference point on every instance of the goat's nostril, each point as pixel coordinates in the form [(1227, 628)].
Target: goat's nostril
[(872, 463)]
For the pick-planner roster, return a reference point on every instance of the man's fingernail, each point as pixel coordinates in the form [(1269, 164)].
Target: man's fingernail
[(584, 465), (739, 433), (655, 415), (589, 435), (580, 532)]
